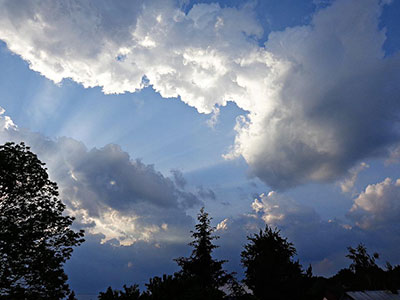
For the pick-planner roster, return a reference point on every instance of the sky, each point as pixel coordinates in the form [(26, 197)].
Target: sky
[(264, 112)]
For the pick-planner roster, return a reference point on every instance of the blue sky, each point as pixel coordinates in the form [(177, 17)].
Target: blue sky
[(277, 112)]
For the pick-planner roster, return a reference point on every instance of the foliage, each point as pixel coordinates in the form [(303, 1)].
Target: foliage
[(270, 271), (167, 287), (200, 266), (109, 294), (71, 296), (362, 261), (363, 273), (35, 238), (129, 293)]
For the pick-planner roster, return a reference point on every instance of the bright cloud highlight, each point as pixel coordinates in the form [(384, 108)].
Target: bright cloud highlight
[(320, 98), (111, 195)]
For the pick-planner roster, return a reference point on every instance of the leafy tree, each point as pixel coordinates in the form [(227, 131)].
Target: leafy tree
[(109, 294), (367, 275), (364, 273), (201, 269), (130, 293), (167, 287), (35, 237), (270, 271), (362, 261), (392, 277)]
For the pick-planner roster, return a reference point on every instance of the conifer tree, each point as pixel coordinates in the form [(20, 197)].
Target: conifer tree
[(201, 267)]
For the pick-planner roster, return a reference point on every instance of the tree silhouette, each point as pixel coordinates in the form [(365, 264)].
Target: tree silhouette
[(109, 294), (362, 261), (167, 287), (363, 273), (130, 292), (71, 296), (35, 238), (205, 273), (270, 271)]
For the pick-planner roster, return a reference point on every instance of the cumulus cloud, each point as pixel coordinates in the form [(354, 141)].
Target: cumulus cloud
[(276, 209), (323, 243), (378, 206), (372, 220), (110, 194), (319, 98)]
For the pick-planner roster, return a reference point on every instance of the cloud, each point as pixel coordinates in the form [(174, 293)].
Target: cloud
[(378, 206), (319, 98), (334, 106), (110, 194), (5, 121), (315, 239), (348, 183), (278, 210), (206, 193), (323, 243), (179, 179), (394, 155), (223, 225)]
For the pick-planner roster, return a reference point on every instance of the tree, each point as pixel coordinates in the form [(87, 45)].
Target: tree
[(200, 268), (362, 261), (367, 275), (72, 296), (167, 287), (109, 294), (35, 237), (270, 271), (130, 292)]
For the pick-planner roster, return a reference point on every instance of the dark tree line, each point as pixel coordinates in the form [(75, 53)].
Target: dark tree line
[(271, 273), (36, 240)]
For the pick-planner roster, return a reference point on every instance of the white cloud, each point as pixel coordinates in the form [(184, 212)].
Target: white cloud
[(109, 193), (278, 210), (223, 225), (5, 121), (378, 206), (319, 98)]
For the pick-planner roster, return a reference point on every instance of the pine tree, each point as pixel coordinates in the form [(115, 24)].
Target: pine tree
[(201, 268)]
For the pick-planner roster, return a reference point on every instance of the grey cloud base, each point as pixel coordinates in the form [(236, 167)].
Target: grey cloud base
[(110, 194)]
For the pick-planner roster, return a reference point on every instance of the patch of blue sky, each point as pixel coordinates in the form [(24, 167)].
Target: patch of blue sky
[(391, 22), (164, 132)]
